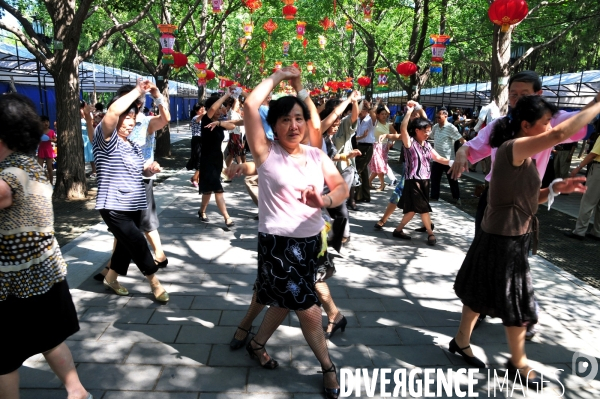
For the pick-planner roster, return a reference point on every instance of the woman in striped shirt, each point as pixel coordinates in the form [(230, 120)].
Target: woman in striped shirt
[(121, 196)]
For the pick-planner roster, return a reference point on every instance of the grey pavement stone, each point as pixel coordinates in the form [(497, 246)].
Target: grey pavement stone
[(205, 335), (140, 333), (149, 395), (51, 393), (204, 379), (109, 376), (233, 318), (121, 316), (176, 302), (373, 305), (169, 354), (285, 379), (225, 302), (407, 356), (99, 352), (221, 355), (367, 336), (38, 375), (246, 396), (89, 330), (207, 318), (389, 319), (341, 356)]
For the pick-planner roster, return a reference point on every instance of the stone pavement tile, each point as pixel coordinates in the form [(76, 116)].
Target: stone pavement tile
[(247, 267), (176, 275), (99, 352), (367, 336), (51, 393), (232, 395), (242, 289), (234, 317), (149, 395), (169, 354), (204, 379), (425, 335), (38, 375), (440, 318), (111, 376), (375, 292), (89, 330), (367, 319), (448, 305), (400, 305), (121, 316), (204, 335), (141, 333), (208, 318), (208, 288), (176, 302), (341, 356), (222, 355), (407, 356), (348, 314), (368, 304), (233, 279), (224, 302), (233, 255), (285, 379), (209, 268)]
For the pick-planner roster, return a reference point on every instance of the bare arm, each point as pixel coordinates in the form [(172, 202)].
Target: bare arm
[(89, 121), (337, 111), (159, 121), (437, 158), (211, 111), (337, 186), (111, 119), (6, 197), (589, 158), (314, 124)]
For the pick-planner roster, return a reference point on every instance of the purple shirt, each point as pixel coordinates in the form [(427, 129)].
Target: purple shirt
[(479, 147), (417, 158)]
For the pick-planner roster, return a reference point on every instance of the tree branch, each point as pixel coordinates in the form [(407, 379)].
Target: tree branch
[(544, 4), (117, 28), (189, 14), (92, 11), (33, 44), (82, 13)]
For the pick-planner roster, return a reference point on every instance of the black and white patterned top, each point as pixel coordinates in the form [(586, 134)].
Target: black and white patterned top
[(196, 125), (30, 258), (119, 164)]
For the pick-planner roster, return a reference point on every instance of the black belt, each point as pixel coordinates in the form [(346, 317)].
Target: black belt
[(365, 143)]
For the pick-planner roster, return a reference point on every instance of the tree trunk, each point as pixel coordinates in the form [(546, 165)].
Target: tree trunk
[(163, 136), (500, 67), (70, 173)]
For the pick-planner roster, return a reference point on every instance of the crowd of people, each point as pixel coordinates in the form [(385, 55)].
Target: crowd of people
[(311, 162)]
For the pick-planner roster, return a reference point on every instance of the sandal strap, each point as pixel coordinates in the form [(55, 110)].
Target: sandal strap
[(246, 331), (260, 346), (331, 369), (466, 347)]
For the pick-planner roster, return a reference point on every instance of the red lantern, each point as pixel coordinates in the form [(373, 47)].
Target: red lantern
[(367, 7), (270, 27), (406, 68), (253, 5), (333, 85), (179, 60), (507, 12), (304, 44), (327, 23), (210, 75), (364, 81), (289, 11)]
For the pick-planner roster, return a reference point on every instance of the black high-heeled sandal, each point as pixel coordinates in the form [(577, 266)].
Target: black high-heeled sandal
[(339, 325), (235, 343), (270, 365), (202, 216), (472, 360), (330, 393), (161, 264), (533, 383)]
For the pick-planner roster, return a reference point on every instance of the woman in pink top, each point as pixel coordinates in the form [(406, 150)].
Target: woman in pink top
[(45, 150), (291, 177)]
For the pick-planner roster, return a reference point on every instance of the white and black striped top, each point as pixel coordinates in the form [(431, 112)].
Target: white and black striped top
[(119, 165)]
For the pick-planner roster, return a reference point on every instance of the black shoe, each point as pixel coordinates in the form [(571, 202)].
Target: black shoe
[(202, 216), (472, 360), (480, 320), (400, 234), (330, 393), (352, 206), (229, 222), (570, 234), (533, 383), (431, 241), (340, 325), (162, 264), (238, 343), (378, 226), (593, 237), (256, 217), (423, 229), (271, 364)]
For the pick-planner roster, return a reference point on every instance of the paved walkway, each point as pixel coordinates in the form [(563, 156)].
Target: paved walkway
[(397, 296)]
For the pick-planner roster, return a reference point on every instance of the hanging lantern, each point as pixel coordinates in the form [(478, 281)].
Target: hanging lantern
[(310, 67), (179, 60), (367, 8), (248, 61), (286, 48), (437, 52), (289, 11), (263, 46), (364, 81), (333, 85), (270, 27), (406, 68), (327, 23), (322, 42), (167, 41), (304, 44), (242, 41), (349, 27), (438, 49), (200, 69), (277, 66), (382, 78), (300, 30), (507, 12), (210, 75), (216, 5), (295, 65), (436, 67), (253, 5), (248, 29)]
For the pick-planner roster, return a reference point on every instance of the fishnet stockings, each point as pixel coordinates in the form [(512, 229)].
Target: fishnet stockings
[(253, 311), (333, 314)]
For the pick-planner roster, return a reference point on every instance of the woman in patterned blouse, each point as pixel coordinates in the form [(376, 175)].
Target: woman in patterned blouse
[(36, 307)]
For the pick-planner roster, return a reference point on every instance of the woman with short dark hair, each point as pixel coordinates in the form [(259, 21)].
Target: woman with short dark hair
[(36, 307)]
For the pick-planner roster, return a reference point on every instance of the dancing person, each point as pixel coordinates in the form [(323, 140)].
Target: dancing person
[(37, 310), (291, 176), (121, 194), (417, 156), (88, 125), (495, 278), (365, 139), (197, 113), (211, 157), (98, 113), (378, 164), (45, 151), (235, 145)]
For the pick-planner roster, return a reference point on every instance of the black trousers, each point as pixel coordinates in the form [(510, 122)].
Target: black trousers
[(362, 167), (131, 243), (437, 170)]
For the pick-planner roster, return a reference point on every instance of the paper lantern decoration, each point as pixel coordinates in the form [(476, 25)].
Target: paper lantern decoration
[(507, 12), (286, 48), (248, 61), (200, 69), (322, 42), (248, 29), (295, 65), (225, 82), (333, 85), (364, 81), (216, 5), (263, 46), (310, 67), (242, 41), (300, 30), (289, 11), (349, 27), (367, 8), (438, 49), (327, 23), (382, 78), (277, 66), (210, 75), (253, 5), (167, 41), (436, 67), (406, 68), (270, 27), (179, 60)]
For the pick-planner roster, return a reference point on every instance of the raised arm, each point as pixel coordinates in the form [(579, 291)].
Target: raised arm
[(215, 107), (337, 111), (89, 121), (410, 108), (111, 119), (314, 124), (159, 121)]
